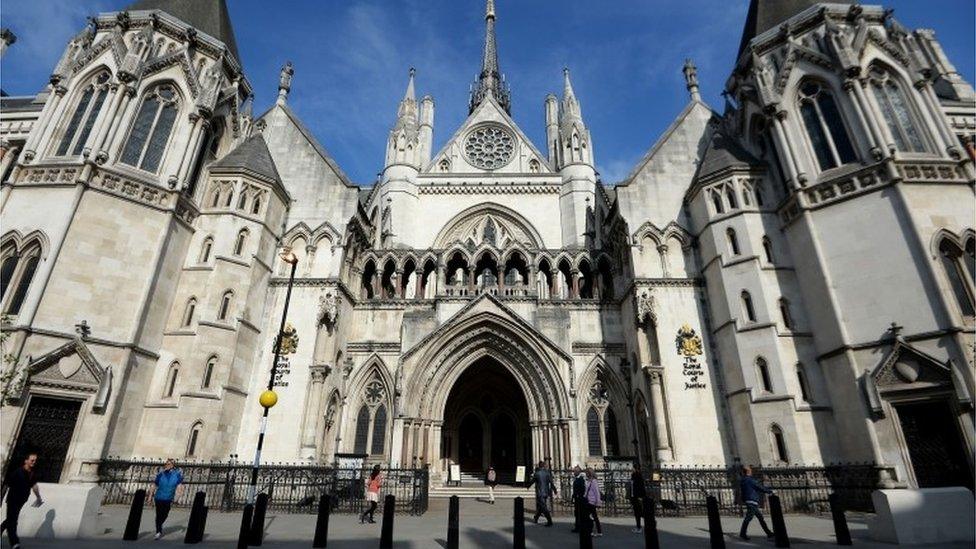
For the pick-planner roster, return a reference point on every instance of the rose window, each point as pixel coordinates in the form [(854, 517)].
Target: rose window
[(489, 147), (375, 392)]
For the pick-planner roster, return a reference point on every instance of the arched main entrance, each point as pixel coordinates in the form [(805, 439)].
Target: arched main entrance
[(486, 421)]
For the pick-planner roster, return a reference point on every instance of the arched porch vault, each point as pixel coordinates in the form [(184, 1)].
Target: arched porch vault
[(485, 330)]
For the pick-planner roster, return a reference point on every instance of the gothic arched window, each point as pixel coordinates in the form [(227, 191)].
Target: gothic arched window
[(206, 249), (256, 205), (733, 241), (610, 433), (18, 270), (240, 243), (379, 431), (762, 370), (242, 201), (779, 444), (970, 259), (747, 307), (952, 262), (730, 196), (895, 110), (825, 127), (83, 119), (717, 202), (224, 310), (208, 371), (803, 382), (784, 311), (194, 440), (768, 249), (171, 378), (362, 430), (189, 312), (151, 130), (593, 432)]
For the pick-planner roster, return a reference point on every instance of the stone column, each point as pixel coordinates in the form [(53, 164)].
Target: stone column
[(42, 133), (111, 141), (104, 121), (441, 279), (435, 448), (189, 152), (934, 116), (661, 438), (471, 279), (574, 284), (779, 136), (870, 131), (418, 287), (317, 374)]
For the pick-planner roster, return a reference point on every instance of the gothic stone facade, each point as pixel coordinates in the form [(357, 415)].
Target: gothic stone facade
[(790, 281)]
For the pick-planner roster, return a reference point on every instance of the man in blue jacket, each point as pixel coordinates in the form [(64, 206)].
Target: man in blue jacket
[(751, 490), (166, 484)]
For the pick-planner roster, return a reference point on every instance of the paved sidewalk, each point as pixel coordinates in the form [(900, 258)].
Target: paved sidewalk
[(482, 525)]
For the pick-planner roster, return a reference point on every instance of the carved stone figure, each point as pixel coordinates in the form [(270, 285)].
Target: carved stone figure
[(410, 291)]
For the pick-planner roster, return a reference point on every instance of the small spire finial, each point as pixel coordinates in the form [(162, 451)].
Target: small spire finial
[(410, 95), (284, 82), (567, 84), (490, 9), (691, 79)]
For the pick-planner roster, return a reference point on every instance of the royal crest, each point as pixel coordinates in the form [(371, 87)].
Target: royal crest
[(289, 340), (688, 342)]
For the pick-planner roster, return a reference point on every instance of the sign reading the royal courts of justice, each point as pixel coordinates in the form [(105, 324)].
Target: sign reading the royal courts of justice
[(689, 346)]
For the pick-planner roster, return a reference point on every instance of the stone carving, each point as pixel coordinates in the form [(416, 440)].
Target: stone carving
[(329, 310), (644, 306), (289, 339), (410, 291), (688, 342)]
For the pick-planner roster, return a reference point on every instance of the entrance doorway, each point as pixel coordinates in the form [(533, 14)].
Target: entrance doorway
[(46, 430), (934, 444), (486, 422)]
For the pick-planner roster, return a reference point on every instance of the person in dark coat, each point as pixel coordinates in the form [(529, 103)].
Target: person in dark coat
[(579, 495), (637, 494), (20, 482), (544, 488), (751, 490)]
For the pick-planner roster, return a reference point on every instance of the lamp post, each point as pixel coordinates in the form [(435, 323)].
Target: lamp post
[(269, 398)]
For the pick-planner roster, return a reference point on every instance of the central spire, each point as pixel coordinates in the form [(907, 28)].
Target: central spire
[(490, 81)]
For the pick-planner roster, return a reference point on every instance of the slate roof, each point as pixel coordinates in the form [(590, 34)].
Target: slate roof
[(209, 16), (723, 152), (767, 14), (251, 155)]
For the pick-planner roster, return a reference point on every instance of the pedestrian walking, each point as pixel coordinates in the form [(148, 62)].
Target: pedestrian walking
[(491, 479), (20, 482), (544, 488), (593, 500), (637, 494), (373, 485), (167, 484), (579, 497), (751, 489)]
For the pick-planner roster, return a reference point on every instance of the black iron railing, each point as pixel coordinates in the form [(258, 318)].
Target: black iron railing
[(682, 491), (292, 488)]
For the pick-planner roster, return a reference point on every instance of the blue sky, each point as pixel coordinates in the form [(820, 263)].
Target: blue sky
[(351, 60)]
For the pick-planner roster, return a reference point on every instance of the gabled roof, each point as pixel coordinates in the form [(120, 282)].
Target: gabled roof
[(767, 14), (307, 134), (722, 153), (661, 141), (252, 155), (209, 16)]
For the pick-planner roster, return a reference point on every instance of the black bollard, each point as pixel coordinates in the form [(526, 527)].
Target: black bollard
[(779, 525), (386, 534), (518, 530), (840, 520), (322, 523), (256, 535), (453, 523), (715, 534), (585, 530), (651, 540), (245, 526), (195, 524), (135, 516)]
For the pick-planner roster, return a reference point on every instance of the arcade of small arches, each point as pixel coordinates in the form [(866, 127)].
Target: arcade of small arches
[(512, 273)]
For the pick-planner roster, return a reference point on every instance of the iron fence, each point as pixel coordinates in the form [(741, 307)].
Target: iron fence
[(291, 488), (682, 491)]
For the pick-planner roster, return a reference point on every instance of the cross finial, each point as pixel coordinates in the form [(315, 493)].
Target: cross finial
[(895, 329), (83, 329)]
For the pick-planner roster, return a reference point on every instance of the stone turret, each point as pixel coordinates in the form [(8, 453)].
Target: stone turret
[(574, 160)]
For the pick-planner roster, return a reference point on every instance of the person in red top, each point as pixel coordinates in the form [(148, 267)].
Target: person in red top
[(373, 484)]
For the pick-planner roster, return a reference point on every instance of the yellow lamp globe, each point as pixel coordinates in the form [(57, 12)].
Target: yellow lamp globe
[(268, 398)]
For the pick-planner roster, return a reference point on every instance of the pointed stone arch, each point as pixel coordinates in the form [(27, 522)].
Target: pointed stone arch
[(506, 220)]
